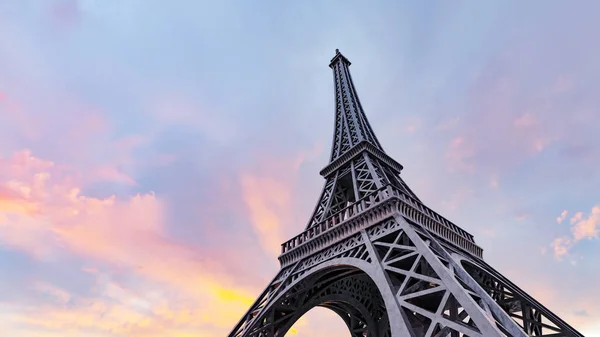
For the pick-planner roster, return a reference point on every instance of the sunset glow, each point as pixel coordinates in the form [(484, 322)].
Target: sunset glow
[(155, 154)]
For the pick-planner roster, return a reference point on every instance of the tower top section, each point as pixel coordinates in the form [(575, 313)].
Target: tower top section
[(351, 124), (337, 56)]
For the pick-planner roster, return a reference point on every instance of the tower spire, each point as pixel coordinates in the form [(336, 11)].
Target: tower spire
[(351, 124), (358, 165)]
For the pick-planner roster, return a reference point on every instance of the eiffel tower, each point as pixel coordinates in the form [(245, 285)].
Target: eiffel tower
[(388, 265)]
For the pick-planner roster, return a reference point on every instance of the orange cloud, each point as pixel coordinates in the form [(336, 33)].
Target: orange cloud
[(42, 212), (268, 195), (268, 202)]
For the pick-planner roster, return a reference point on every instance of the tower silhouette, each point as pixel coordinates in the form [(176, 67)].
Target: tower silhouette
[(387, 264)]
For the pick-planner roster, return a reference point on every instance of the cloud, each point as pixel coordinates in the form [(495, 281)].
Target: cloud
[(587, 228), (514, 109), (494, 181), (581, 228), (268, 192), (561, 246), (448, 124), (525, 120), (576, 217), (268, 201), (129, 86), (456, 198), (84, 142), (112, 173), (44, 214), (65, 13), (562, 216), (458, 155)]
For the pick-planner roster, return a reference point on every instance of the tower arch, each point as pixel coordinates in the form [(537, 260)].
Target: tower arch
[(349, 286), (351, 294)]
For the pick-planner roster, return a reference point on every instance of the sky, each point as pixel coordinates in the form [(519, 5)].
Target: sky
[(155, 154)]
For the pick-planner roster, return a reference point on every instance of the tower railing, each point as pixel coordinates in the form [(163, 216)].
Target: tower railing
[(409, 206)]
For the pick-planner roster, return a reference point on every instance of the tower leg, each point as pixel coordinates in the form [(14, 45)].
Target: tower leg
[(511, 306), (427, 293), (511, 309)]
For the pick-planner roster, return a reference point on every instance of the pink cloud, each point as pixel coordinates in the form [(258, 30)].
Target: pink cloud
[(84, 141), (561, 246), (112, 173), (14, 116), (90, 270), (525, 120), (550, 291), (588, 228), (448, 124), (267, 193), (581, 228), (118, 161), (458, 155), (494, 181), (268, 202), (576, 217), (59, 295), (510, 118), (457, 197), (88, 124), (562, 216), (539, 144), (44, 214), (65, 13)]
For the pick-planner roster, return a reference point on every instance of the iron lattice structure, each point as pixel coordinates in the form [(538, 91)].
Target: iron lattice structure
[(387, 264)]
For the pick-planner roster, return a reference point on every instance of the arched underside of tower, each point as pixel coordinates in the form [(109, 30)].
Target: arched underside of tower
[(347, 291)]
